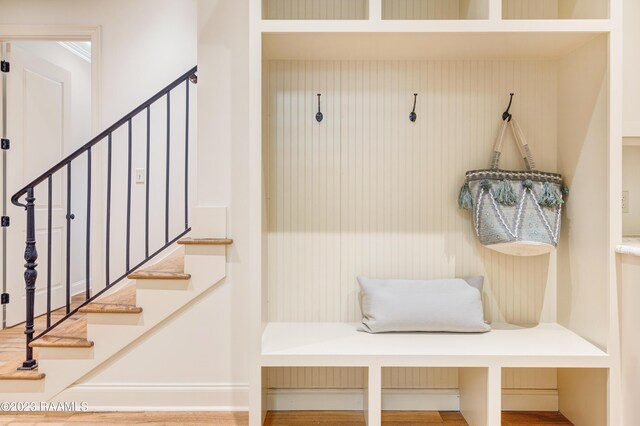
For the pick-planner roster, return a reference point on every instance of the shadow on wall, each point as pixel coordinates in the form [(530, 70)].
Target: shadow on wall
[(500, 302)]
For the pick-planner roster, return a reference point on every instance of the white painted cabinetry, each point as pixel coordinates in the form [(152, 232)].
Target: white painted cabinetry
[(367, 192)]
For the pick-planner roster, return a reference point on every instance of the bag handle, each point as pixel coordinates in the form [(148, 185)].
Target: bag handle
[(521, 142)]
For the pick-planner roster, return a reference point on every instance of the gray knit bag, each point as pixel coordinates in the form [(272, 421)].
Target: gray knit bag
[(514, 212)]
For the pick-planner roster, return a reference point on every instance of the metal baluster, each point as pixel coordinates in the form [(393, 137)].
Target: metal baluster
[(166, 206), (186, 159), (30, 276), (28, 191), (128, 248), (88, 243), (146, 215), (69, 217), (108, 242), (49, 262)]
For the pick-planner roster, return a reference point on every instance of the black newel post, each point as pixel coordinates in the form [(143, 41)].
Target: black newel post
[(30, 275)]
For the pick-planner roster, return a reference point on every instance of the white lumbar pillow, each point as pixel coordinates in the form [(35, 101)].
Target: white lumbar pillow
[(453, 305)]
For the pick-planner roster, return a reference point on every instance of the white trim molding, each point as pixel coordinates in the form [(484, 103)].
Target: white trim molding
[(74, 33), (159, 396)]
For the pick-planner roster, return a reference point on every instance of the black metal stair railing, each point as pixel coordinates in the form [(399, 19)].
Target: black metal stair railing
[(65, 166)]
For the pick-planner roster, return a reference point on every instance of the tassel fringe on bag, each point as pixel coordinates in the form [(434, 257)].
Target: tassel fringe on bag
[(505, 194), (550, 197), (465, 201)]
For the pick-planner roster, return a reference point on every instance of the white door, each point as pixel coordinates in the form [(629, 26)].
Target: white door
[(38, 126)]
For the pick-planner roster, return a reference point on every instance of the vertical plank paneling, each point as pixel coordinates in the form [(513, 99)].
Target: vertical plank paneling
[(422, 9), (367, 192), (315, 9), (530, 9)]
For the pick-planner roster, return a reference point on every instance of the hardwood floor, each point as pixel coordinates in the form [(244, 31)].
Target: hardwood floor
[(275, 418), (71, 333), (12, 343), (406, 418), (167, 269), (149, 418)]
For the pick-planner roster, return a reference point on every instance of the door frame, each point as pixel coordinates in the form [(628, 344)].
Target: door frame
[(9, 33)]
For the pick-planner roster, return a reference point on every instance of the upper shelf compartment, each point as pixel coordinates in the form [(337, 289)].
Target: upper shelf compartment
[(435, 9), (555, 9), (316, 9)]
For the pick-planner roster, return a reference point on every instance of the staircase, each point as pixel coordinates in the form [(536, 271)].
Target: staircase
[(106, 326), (112, 318)]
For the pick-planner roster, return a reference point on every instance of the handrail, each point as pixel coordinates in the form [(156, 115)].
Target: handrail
[(171, 234), (84, 148)]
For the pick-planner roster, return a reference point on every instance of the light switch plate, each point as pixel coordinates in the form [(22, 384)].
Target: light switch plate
[(625, 201), (139, 175)]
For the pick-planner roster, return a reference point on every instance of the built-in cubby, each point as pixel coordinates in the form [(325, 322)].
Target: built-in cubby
[(360, 189), (555, 9), (334, 388), (315, 9), (365, 191), (432, 9), (574, 390), (435, 9)]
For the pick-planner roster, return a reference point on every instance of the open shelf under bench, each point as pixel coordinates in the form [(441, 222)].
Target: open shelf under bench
[(340, 344)]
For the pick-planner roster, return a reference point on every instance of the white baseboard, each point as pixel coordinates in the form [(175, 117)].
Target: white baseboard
[(78, 287), (404, 399), (530, 400), (159, 396)]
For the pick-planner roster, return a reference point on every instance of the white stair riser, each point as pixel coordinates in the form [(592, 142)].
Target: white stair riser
[(64, 353), (112, 318), (199, 262), (154, 302), (116, 336), (20, 390), (154, 284)]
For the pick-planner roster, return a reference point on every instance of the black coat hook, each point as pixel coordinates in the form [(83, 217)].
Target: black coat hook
[(412, 115), (319, 115), (506, 115)]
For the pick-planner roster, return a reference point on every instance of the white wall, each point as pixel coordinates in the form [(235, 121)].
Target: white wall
[(80, 71), (355, 194), (206, 345), (145, 45), (583, 162)]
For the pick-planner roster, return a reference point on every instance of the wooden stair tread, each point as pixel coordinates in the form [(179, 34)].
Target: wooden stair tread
[(121, 302), (72, 333), (206, 241), (168, 269), (9, 370)]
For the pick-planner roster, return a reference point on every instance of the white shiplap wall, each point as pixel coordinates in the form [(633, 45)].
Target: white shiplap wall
[(368, 192), (530, 9), (433, 9), (315, 9), (420, 9), (400, 378)]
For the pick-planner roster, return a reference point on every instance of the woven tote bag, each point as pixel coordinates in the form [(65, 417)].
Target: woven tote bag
[(514, 212)]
